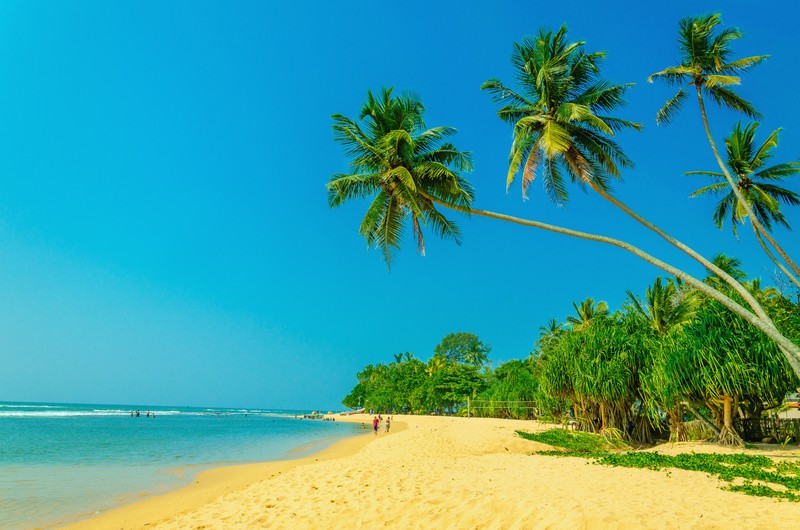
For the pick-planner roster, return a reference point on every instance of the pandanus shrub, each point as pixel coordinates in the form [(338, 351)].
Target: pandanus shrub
[(721, 361), (598, 368)]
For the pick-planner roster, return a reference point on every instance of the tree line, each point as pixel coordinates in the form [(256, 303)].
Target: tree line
[(640, 371)]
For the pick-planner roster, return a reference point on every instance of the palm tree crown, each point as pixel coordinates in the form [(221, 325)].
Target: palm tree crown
[(587, 312), (705, 64), (559, 115), (404, 166), (664, 307), (746, 160)]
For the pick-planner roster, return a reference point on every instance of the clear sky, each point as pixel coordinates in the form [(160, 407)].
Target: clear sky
[(164, 230)]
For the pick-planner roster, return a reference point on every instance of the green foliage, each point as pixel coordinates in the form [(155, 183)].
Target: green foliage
[(705, 65), (512, 382), (750, 474), (574, 441), (727, 356), (757, 184), (560, 114), (464, 348), (441, 385), (401, 166), (761, 476)]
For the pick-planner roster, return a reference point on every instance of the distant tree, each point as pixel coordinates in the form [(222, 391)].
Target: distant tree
[(663, 308), (511, 383), (465, 348), (586, 312)]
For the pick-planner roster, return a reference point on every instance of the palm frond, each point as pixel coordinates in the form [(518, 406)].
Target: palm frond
[(618, 124), (357, 186), (673, 76), (529, 173), (778, 171), (764, 151), (743, 64), (715, 174), (521, 148), (715, 80), (553, 181), (671, 107), (554, 139), (713, 189), (573, 112), (729, 99), (779, 194), (403, 175)]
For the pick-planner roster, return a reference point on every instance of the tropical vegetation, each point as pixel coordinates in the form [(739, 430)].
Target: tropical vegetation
[(755, 475), (720, 350), (641, 371)]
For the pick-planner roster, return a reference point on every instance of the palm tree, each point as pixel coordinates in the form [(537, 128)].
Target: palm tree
[(731, 265), (755, 184), (705, 65), (561, 123), (410, 172), (549, 333), (559, 115), (587, 312), (663, 308), (404, 166)]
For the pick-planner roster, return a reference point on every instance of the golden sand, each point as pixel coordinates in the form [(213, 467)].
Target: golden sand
[(435, 472)]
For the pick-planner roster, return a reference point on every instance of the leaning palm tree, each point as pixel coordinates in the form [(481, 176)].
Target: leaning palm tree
[(706, 68), (756, 185), (562, 124), (401, 166)]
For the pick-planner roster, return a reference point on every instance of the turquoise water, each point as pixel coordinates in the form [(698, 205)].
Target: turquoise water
[(63, 462)]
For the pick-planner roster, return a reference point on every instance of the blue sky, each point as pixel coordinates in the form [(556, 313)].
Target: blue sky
[(164, 231)]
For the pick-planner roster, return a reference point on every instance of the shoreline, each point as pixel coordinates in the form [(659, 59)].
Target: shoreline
[(208, 484), (448, 472)]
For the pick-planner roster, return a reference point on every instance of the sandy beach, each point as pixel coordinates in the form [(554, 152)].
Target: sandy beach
[(436, 472)]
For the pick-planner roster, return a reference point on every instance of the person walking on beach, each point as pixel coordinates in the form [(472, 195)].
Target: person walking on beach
[(375, 423), (388, 419)]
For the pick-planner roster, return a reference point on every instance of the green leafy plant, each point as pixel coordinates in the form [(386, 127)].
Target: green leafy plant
[(756, 475)]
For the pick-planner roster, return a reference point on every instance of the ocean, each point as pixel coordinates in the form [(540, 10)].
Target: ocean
[(62, 462)]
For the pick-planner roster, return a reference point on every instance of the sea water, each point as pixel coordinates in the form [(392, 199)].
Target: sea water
[(64, 462)]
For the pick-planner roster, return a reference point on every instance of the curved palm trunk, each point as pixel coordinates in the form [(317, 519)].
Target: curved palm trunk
[(790, 350), (775, 260), (737, 192), (727, 278)]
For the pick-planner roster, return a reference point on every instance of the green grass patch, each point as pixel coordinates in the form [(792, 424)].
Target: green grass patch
[(576, 441), (749, 474)]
